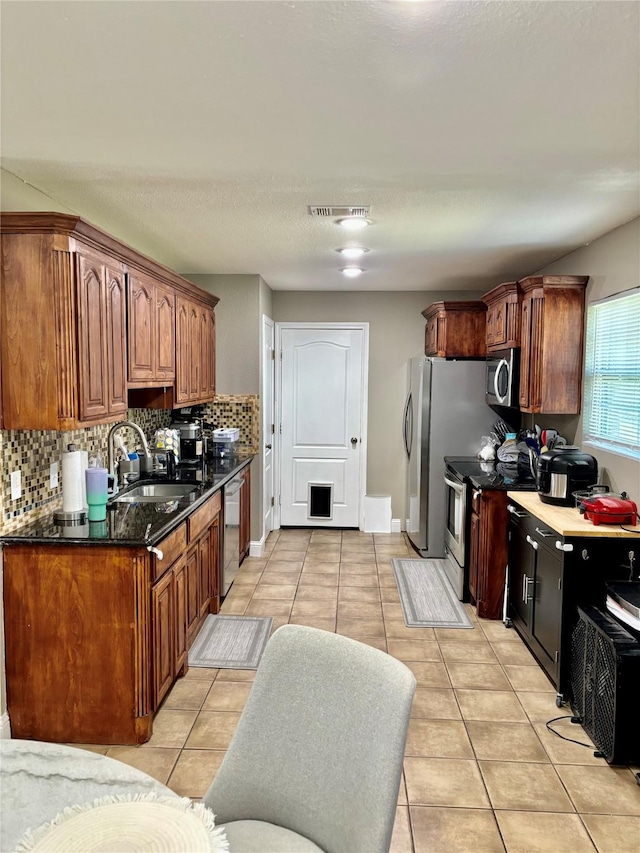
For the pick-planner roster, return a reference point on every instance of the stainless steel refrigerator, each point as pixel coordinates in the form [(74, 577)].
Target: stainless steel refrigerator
[(445, 415)]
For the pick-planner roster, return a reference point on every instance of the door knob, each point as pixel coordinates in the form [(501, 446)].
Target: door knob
[(268, 446), (354, 441)]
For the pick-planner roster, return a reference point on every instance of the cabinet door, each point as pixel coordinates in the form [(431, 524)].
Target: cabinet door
[(165, 334), (204, 379), (141, 304), (547, 604), (102, 343), (531, 355), (195, 350), (474, 555), (521, 577), (92, 338), (211, 354), (492, 553), (214, 565), (183, 351), (162, 616), (193, 591), (207, 380), (116, 342), (491, 322), (499, 322), (431, 336), (525, 351), (180, 612), (204, 574)]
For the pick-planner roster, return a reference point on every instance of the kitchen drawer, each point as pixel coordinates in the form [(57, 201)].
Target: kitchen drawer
[(202, 517), (172, 547)]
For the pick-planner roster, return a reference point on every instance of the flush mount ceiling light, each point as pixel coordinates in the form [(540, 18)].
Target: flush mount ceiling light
[(352, 272), (353, 223), (352, 252)]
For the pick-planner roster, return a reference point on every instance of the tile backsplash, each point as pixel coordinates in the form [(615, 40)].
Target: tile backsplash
[(33, 451)]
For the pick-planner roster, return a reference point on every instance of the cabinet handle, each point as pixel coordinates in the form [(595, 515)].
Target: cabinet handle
[(533, 543), (527, 597), (524, 585), (153, 550), (563, 547), (545, 533), (514, 511), (476, 494)]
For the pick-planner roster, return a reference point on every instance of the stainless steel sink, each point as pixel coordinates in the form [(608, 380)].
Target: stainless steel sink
[(155, 493)]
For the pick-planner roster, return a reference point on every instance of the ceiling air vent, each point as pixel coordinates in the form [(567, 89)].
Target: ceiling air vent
[(342, 210)]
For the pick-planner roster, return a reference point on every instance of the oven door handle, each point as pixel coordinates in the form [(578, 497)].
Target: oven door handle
[(502, 363), (457, 487)]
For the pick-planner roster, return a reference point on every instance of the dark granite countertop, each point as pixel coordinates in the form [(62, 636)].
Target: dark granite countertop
[(490, 475), (136, 523)]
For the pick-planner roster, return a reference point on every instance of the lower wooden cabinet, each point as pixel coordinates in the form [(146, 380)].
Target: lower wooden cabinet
[(79, 648), (203, 565), (96, 635), (488, 551), (163, 608), (169, 625)]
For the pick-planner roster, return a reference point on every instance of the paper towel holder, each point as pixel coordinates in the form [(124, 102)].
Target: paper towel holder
[(67, 519)]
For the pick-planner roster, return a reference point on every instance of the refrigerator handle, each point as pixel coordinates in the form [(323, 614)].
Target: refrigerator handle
[(407, 424)]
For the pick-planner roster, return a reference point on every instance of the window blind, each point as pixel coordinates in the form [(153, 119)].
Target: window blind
[(612, 373)]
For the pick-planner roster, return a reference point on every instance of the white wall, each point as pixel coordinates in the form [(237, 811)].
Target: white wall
[(237, 331), (612, 263)]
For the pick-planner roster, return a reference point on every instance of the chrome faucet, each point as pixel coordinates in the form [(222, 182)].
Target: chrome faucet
[(112, 432)]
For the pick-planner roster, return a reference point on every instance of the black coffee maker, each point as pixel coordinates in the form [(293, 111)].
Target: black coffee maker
[(188, 422), (563, 471)]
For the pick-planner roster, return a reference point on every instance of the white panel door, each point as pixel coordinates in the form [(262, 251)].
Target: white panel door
[(322, 387), (268, 423)]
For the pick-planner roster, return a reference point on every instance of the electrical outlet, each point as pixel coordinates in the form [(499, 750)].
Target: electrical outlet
[(53, 475), (16, 485)]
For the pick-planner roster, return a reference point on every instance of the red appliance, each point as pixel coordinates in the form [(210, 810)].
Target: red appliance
[(609, 509)]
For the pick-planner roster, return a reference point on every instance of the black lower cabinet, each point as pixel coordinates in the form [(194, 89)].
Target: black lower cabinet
[(549, 577)]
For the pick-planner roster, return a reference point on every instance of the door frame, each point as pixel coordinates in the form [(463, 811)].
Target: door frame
[(268, 365), (277, 409)]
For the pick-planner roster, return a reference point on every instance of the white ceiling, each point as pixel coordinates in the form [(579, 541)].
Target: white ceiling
[(489, 137)]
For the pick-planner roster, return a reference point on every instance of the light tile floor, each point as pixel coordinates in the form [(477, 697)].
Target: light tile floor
[(482, 773)]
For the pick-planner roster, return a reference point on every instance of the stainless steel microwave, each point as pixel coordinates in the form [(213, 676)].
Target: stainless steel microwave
[(502, 378)]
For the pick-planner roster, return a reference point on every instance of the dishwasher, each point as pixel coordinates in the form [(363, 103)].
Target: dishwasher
[(231, 533)]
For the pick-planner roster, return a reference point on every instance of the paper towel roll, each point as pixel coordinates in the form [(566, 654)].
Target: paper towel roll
[(72, 500)]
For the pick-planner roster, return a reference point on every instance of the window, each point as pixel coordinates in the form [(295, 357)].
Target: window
[(612, 374)]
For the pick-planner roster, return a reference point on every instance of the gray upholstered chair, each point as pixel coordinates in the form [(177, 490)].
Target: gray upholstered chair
[(316, 759)]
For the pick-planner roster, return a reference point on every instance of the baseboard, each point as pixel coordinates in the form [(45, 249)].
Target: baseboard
[(256, 548), (395, 525), (5, 727)]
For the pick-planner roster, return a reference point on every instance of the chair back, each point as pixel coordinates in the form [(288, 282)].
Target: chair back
[(320, 744)]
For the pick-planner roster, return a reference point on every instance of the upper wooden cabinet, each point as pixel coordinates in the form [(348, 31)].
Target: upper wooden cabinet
[(195, 353), (151, 331), (552, 339), (503, 316), (84, 318), (455, 329), (102, 392)]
